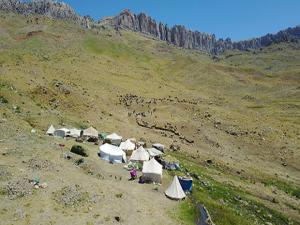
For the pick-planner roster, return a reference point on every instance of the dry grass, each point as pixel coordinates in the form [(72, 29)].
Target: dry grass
[(97, 68)]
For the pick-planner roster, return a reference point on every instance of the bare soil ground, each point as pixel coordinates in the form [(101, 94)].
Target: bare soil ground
[(94, 192)]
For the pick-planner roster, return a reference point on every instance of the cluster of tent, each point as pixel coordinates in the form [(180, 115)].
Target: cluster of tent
[(90, 132), (75, 133), (116, 151), (152, 170)]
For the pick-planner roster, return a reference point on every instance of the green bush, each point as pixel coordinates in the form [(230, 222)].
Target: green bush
[(3, 100)]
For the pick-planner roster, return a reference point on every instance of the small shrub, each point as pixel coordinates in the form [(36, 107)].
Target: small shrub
[(17, 109), (119, 195), (3, 100)]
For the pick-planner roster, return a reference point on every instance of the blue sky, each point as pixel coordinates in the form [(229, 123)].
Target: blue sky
[(237, 19)]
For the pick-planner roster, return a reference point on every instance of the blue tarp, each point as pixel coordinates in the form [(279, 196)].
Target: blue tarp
[(170, 166), (186, 183)]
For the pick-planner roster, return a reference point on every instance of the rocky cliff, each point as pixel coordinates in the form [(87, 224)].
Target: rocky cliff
[(177, 35), (53, 9), (185, 38)]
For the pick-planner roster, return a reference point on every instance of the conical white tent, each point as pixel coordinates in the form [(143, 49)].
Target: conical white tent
[(154, 152), (90, 132), (114, 139), (175, 190), (127, 146), (74, 133), (152, 171), (50, 130), (140, 155), (112, 153)]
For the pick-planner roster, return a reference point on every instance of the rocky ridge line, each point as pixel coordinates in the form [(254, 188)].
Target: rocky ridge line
[(177, 35), (185, 38), (52, 9)]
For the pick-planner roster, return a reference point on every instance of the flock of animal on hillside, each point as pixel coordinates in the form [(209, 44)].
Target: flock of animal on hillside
[(150, 161)]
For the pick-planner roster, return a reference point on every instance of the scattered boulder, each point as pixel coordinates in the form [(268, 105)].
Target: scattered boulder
[(71, 196), (19, 188), (209, 161), (61, 87), (248, 97), (174, 147), (79, 150), (68, 155), (79, 161), (37, 164)]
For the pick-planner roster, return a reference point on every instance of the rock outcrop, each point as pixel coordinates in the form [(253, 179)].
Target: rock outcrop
[(177, 35), (53, 9), (185, 38)]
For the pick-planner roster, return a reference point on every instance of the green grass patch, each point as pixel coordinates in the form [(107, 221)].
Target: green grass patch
[(284, 186), (187, 212), (102, 46), (227, 204), (115, 49)]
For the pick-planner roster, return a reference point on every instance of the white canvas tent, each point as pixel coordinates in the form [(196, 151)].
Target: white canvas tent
[(175, 190), (75, 133), (90, 132), (114, 139), (112, 153), (140, 155), (154, 152), (127, 146), (62, 132), (152, 171), (50, 130)]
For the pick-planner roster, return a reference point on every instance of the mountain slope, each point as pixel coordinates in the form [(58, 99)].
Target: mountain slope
[(241, 111), (177, 35)]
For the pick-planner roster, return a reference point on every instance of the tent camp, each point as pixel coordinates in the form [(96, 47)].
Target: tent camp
[(127, 147), (140, 155), (175, 190), (112, 153), (153, 152), (75, 133), (50, 130), (114, 139), (90, 132), (152, 171), (62, 132)]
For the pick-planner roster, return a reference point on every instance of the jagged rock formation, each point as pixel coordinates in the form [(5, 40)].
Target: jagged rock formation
[(182, 37), (53, 9), (177, 35)]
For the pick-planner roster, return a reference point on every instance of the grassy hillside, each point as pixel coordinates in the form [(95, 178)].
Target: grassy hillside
[(241, 110)]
